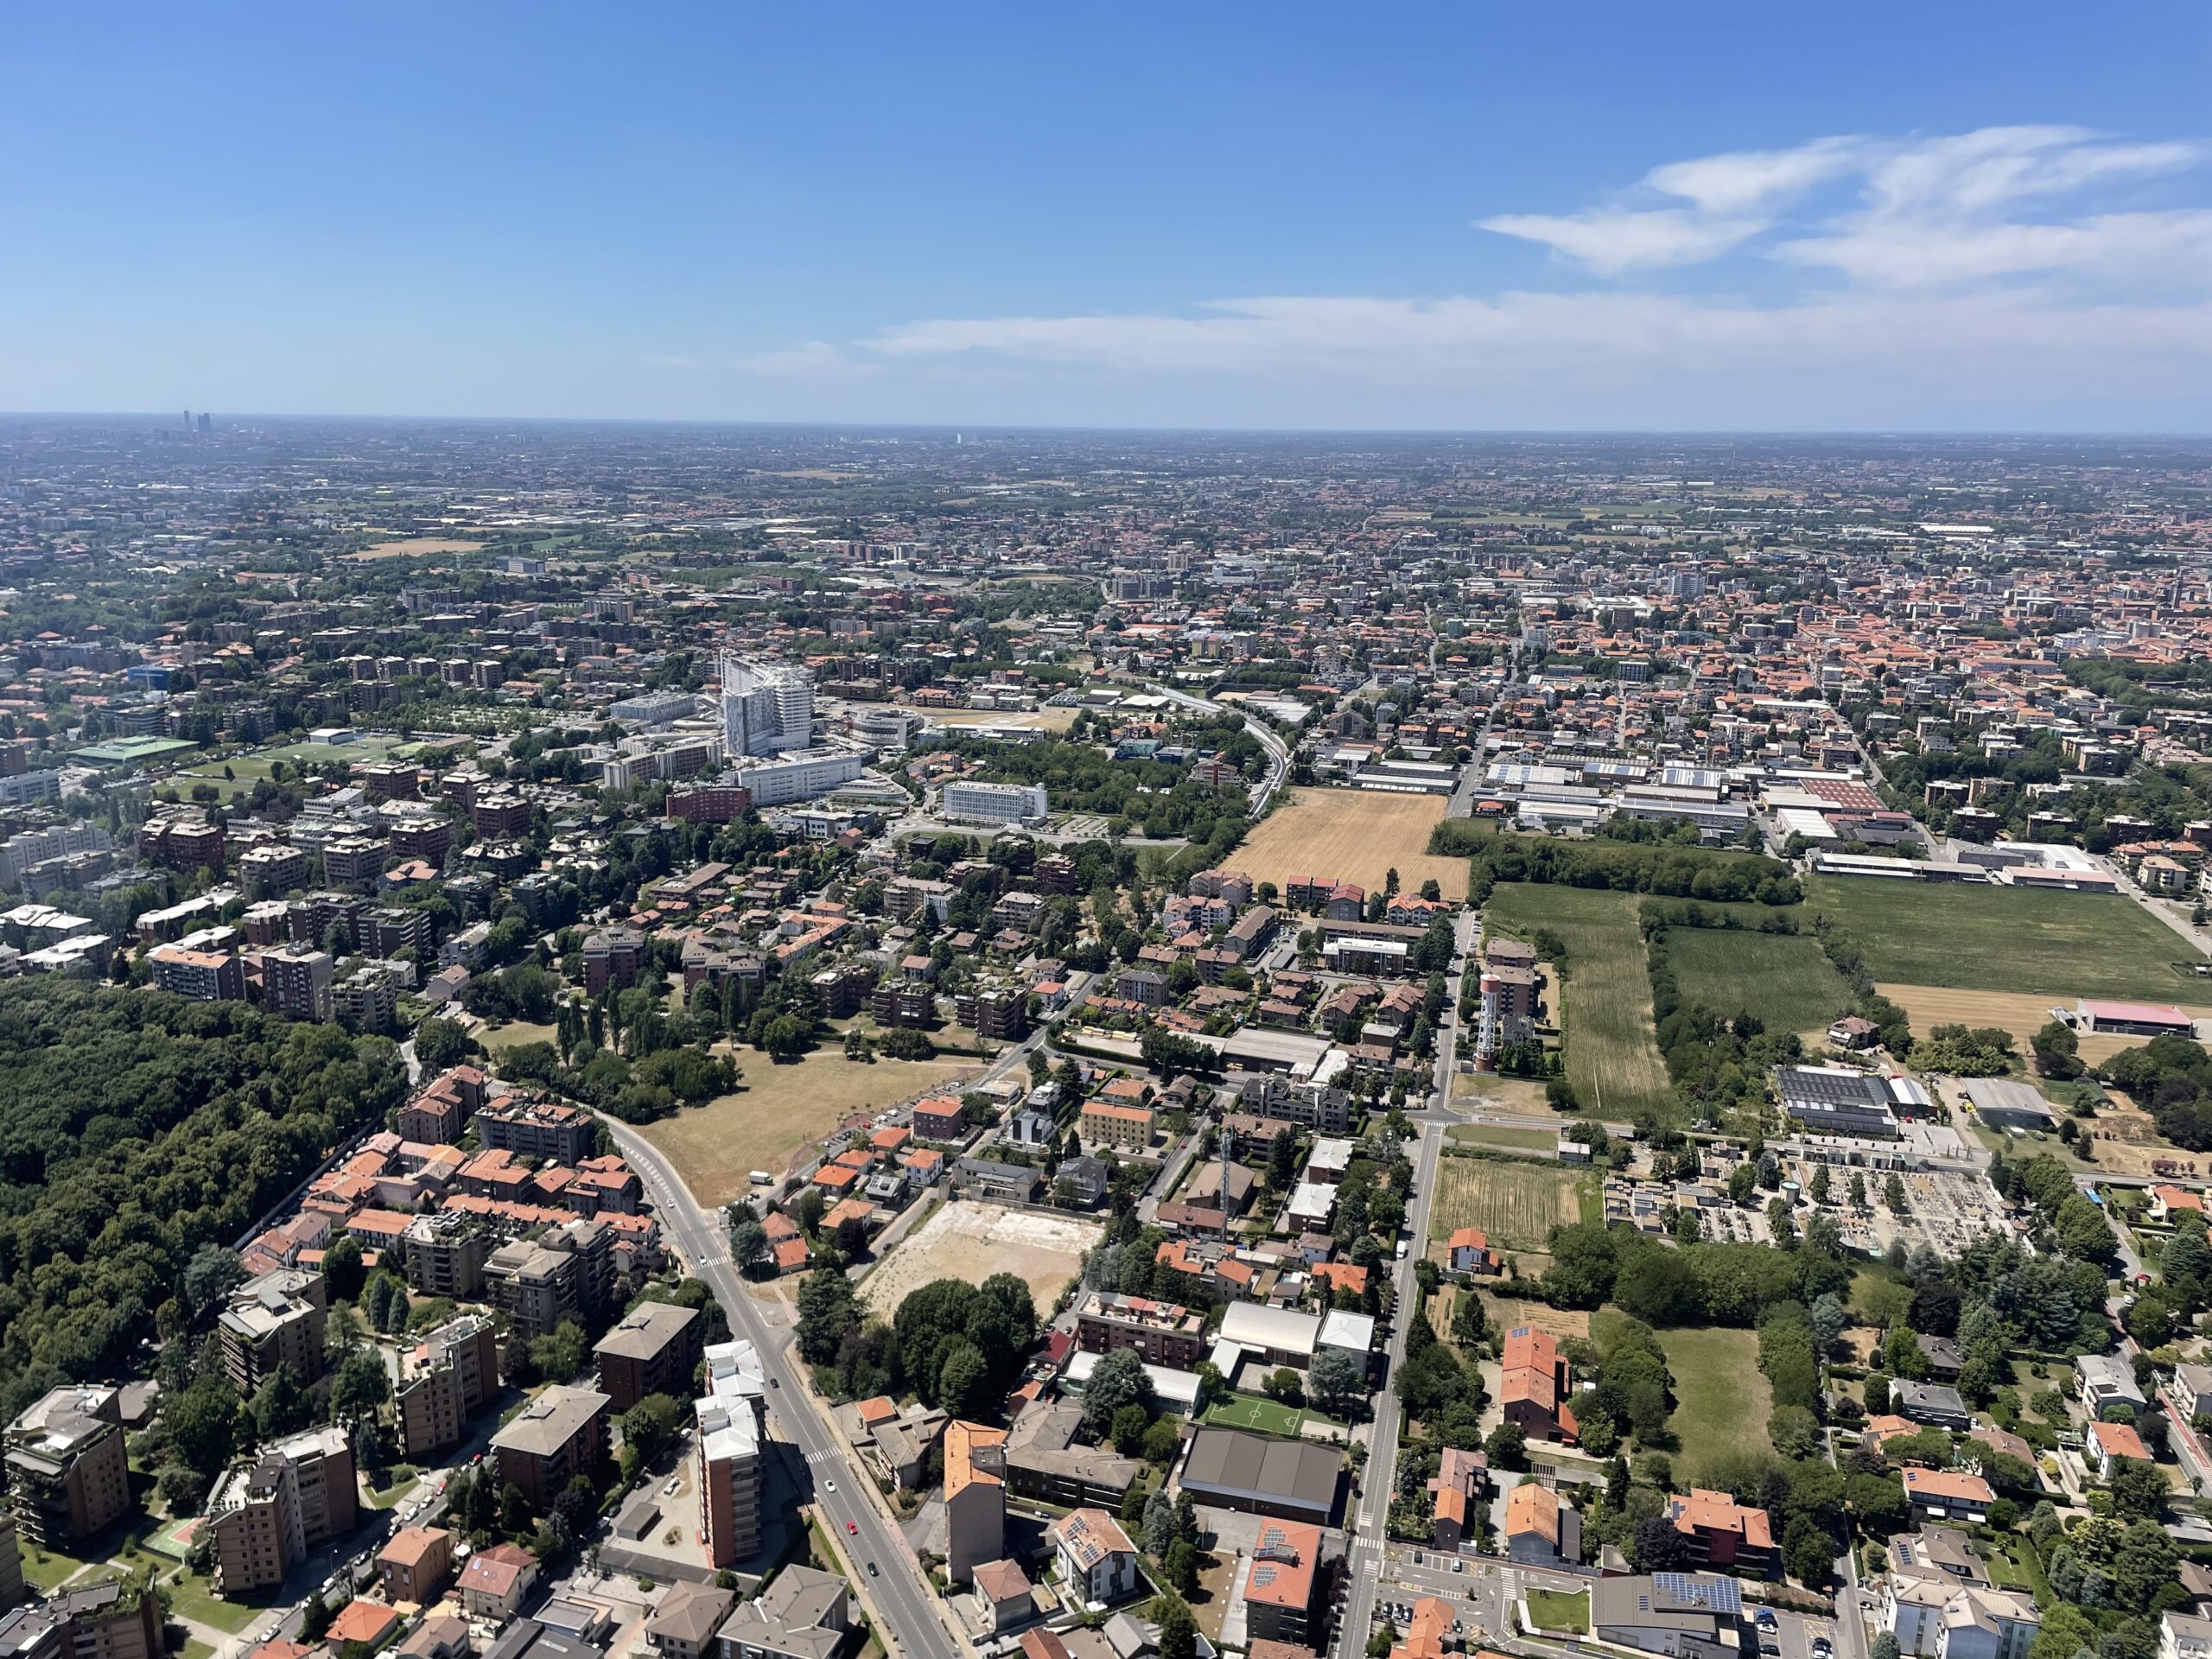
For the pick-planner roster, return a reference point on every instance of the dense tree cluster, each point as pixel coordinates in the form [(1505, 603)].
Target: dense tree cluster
[(1673, 871), (2170, 1077), (136, 1128)]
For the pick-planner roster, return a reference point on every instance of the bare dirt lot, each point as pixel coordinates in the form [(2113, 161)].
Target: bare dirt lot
[(2126, 1143), (781, 1110), (2020, 1014), (1355, 835), (414, 545), (1035, 720), (974, 1240)]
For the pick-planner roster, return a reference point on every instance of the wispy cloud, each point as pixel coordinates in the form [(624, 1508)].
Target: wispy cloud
[(2024, 262)]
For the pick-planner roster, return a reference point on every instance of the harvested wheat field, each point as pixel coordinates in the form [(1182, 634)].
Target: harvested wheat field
[(2022, 1015), (1352, 834), (974, 1240)]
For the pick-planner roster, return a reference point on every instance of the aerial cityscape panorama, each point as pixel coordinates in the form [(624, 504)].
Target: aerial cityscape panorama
[(1253, 834)]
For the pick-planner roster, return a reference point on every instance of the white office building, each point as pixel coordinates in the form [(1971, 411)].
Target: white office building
[(767, 708), (994, 803), (801, 778)]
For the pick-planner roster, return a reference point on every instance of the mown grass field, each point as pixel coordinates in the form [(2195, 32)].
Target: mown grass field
[(1973, 938), (1516, 1203), (1606, 999), (1721, 1398), (1781, 979)]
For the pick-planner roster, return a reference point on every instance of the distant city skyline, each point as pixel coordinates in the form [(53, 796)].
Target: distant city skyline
[(1963, 219)]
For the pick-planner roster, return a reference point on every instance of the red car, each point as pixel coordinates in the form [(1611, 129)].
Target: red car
[(851, 1528)]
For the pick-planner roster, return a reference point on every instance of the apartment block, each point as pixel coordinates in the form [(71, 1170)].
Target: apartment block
[(1164, 1334), (68, 1475), (559, 1435), (536, 1129), (444, 1380), (270, 1513), (653, 1349), (565, 1273), (277, 1319), (733, 1420), (444, 1253), (296, 982)]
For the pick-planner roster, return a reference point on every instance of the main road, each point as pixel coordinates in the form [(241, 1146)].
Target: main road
[(909, 1618)]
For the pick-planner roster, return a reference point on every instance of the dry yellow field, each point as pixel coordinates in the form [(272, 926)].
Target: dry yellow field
[(1352, 834), (2021, 1014), (780, 1109)]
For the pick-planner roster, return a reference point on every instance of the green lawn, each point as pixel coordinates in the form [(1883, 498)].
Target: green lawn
[(1606, 999), (403, 1480), (1972, 937), (46, 1568), (1782, 979), (1553, 1609), (1258, 1413), (1486, 1134), (1722, 1400), (2013, 1565), (192, 1597)]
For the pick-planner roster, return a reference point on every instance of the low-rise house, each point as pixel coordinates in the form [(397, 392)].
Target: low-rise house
[(1947, 1494), (1540, 1531), (1096, 1555)]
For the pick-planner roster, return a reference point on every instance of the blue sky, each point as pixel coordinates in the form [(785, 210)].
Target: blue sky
[(1465, 216)]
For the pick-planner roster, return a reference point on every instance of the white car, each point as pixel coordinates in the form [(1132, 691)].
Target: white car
[(829, 1486)]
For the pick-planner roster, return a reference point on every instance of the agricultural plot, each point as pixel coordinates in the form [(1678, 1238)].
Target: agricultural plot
[(1606, 1002), (1516, 1203), (1352, 834), (1971, 937), (1782, 980)]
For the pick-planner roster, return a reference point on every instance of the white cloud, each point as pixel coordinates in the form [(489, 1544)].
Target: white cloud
[(1610, 243), (815, 359), (2008, 268)]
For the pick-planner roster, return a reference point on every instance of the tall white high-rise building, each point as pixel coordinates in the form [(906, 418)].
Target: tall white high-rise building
[(767, 708)]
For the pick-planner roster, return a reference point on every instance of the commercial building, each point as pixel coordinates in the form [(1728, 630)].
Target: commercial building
[(2135, 1019), (1835, 1100), (801, 778), (1678, 1615), (1258, 1474), (559, 1435), (68, 1475), (733, 1423), (767, 708), (652, 1350), (972, 803)]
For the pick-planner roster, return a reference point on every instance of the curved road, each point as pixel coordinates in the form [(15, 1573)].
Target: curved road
[(1278, 751)]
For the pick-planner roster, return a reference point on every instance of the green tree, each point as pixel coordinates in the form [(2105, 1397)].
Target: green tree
[(828, 1309), (361, 1386), (1118, 1380), (1178, 1632)]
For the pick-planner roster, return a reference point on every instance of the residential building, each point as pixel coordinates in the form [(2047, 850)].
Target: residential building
[(497, 1581), (1468, 1251), (1720, 1533), (802, 1613), (443, 1253), (975, 1498), (201, 975), (732, 1417), (612, 957), (1044, 1459), (531, 1127), (1165, 1333), (1931, 1404), (652, 1350), (1284, 1597), (1128, 1128), (276, 1319), (2108, 1380), (296, 982), (684, 1625), (440, 1110), (1947, 1494), (565, 1273), (1540, 1531), (414, 1566), (272, 1510), (444, 1380), (559, 1435), (68, 1475), (1536, 1385), (112, 1619), (1095, 1556)]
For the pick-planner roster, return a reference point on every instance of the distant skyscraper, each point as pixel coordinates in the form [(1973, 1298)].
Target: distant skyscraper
[(767, 708), (206, 423)]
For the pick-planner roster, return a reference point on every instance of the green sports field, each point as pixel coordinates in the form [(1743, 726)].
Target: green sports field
[(1782, 979), (1611, 1057), (1972, 937)]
